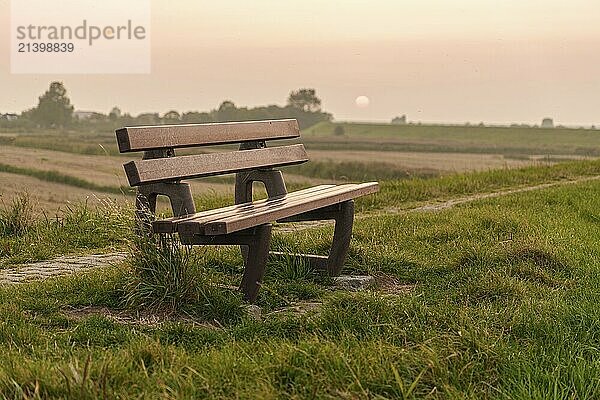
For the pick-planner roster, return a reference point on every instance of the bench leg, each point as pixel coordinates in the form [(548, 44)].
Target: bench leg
[(256, 240), (255, 262), (344, 220)]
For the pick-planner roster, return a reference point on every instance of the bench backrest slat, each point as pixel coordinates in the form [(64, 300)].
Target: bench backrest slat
[(141, 138), (197, 166)]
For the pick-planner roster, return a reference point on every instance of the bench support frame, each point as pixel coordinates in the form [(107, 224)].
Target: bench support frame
[(342, 214), (179, 194), (256, 240)]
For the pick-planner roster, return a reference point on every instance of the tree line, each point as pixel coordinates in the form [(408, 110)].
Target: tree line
[(55, 111)]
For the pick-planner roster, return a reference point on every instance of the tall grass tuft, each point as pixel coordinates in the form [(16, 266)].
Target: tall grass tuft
[(169, 277), (17, 217), (162, 276)]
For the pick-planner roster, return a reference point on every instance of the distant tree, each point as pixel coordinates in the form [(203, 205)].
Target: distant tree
[(114, 114), (172, 116), (54, 108), (305, 100), (339, 130), (147, 119), (227, 105), (127, 119), (197, 117), (227, 111), (547, 123), (399, 120)]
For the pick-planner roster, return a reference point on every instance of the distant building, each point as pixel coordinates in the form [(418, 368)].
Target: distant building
[(399, 120), (547, 123), (83, 115), (9, 117)]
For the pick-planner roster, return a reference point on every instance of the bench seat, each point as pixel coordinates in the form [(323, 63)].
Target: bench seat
[(231, 219)]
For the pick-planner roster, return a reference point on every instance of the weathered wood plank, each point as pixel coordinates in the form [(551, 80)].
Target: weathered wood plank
[(202, 165), (139, 138), (169, 225), (268, 214), (196, 225)]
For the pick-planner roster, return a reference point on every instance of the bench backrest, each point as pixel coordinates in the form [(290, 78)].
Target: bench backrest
[(159, 143)]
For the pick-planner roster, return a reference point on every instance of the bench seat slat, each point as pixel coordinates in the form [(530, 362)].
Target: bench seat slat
[(169, 225), (202, 165), (275, 211), (197, 225), (138, 138)]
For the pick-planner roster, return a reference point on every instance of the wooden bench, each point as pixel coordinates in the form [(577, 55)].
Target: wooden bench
[(247, 223)]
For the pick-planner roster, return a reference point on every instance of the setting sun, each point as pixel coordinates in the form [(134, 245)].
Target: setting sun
[(362, 102)]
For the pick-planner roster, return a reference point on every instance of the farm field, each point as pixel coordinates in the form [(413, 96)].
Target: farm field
[(69, 163), (510, 141), (491, 298), (71, 176), (435, 162)]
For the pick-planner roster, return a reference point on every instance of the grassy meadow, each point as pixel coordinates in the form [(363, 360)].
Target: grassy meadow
[(491, 298)]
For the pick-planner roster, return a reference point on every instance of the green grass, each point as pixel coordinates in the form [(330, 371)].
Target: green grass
[(502, 304), (406, 193), (164, 276), (466, 139), (80, 228)]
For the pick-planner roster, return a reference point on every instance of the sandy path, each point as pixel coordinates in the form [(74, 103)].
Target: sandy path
[(58, 267)]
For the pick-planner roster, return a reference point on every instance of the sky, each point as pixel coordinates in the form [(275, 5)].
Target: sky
[(452, 61)]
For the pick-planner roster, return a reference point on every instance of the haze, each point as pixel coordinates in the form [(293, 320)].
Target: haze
[(436, 61)]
